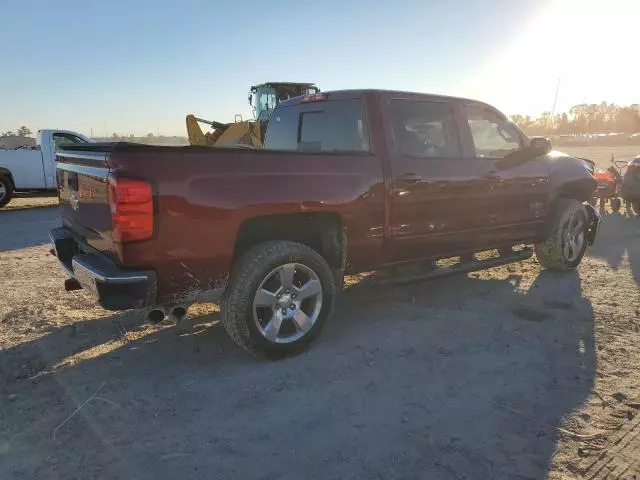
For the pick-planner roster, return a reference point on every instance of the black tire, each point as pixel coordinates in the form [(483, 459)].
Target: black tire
[(633, 208), (551, 253), (6, 191), (251, 270), (616, 204)]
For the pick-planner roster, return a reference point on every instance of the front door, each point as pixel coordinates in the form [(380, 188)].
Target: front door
[(520, 192), (439, 197)]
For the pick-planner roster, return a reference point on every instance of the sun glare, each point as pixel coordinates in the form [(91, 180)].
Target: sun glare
[(586, 45)]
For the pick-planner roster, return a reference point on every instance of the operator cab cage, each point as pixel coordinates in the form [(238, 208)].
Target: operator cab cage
[(265, 96)]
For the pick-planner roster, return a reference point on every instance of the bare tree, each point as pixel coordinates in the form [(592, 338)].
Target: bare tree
[(24, 131)]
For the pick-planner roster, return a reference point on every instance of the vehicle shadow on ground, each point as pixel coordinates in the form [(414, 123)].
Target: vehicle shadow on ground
[(618, 236), (461, 378), (26, 228)]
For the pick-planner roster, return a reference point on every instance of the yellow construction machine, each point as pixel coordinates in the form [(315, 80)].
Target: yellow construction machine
[(263, 98)]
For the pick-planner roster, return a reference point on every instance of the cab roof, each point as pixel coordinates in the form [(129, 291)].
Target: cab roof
[(358, 93), (291, 84)]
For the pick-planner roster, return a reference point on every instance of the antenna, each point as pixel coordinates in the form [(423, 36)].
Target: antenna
[(553, 108)]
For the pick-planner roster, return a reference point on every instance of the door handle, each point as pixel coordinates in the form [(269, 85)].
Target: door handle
[(492, 175), (409, 178)]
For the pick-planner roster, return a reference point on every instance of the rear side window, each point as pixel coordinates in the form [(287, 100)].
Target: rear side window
[(424, 129), (332, 127)]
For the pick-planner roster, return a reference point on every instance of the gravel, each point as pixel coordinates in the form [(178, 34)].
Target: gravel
[(507, 373)]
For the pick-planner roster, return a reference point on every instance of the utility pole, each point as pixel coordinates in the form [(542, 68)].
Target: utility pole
[(553, 108)]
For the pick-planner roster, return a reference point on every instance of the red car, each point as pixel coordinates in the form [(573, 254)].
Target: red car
[(348, 181)]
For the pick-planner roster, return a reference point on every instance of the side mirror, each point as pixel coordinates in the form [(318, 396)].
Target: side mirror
[(540, 146)]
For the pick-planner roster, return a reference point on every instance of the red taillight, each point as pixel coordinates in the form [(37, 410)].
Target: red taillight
[(316, 97), (131, 203)]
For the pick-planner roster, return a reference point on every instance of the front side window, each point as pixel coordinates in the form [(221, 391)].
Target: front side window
[(424, 129), (493, 137), (333, 127)]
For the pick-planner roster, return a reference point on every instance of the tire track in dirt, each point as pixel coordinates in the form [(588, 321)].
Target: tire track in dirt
[(621, 458)]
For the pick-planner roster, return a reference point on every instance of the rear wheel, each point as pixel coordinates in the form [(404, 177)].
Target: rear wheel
[(634, 207), (566, 240), (6, 191), (279, 297)]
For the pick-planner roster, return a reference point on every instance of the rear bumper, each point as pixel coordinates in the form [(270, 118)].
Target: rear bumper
[(114, 287)]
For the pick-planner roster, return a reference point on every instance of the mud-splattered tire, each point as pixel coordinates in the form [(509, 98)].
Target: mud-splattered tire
[(6, 191), (566, 240), (282, 287)]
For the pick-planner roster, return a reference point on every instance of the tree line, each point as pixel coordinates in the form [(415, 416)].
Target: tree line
[(579, 120), (21, 132), (583, 119)]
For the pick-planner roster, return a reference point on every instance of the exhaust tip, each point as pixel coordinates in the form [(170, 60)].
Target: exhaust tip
[(178, 314), (71, 284), (156, 316)]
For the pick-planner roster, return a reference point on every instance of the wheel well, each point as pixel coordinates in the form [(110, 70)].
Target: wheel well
[(321, 231), (578, 194), (7, 174), (580, 190)]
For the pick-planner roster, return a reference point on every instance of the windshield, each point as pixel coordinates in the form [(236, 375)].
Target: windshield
[(265, 101)]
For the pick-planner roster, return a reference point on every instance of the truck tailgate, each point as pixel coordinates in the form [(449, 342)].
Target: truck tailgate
[(83, 192)]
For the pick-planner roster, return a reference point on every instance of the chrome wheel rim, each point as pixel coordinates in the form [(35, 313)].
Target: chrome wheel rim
[(287, 303), (3, 191), (573, 238)]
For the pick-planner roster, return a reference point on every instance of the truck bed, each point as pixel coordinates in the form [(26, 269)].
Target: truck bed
[(202, 196)]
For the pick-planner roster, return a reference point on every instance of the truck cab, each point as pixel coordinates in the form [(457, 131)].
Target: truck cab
[(34, 168)]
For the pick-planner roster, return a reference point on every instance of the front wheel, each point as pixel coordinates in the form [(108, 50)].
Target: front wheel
[(279, 297), (6, 191), (566, 240)]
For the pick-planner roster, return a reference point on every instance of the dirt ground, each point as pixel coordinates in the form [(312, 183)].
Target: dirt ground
[(602, 155), (22, 201), (508, 373)]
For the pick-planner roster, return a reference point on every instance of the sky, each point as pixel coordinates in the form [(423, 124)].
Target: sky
[(139, 66)]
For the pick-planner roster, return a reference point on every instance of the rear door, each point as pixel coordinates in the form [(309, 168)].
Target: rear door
[(439, 201), (519, 194)]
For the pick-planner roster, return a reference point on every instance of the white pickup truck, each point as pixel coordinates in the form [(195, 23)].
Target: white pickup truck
[(34, 168)]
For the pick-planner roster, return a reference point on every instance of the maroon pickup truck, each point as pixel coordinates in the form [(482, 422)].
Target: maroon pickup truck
[(349, 181)]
